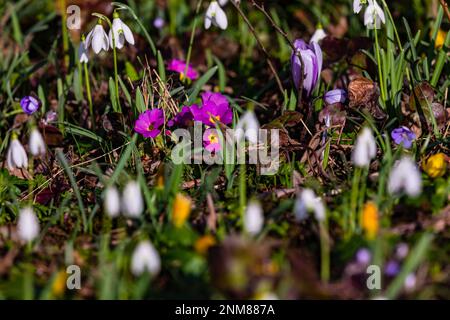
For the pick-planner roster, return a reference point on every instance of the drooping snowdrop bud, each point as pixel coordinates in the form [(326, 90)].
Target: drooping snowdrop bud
[(318, 35), (145, 258), (82, 51), (306, 202), (36, 143), (357, 5), (374, 15), (405, 176), (27, 225), (223, 2), (112, 202), (365, 148), (216, 16), (247, 127), (253, 218), (16, 156), (121, 32), (132, 201), (98, 39)]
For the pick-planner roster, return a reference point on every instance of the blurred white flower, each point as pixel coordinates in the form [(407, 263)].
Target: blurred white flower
[(405, 176), (253, 218), (98, 39), (145, 258), (27, 225), (112, 202), (223, 2), (82, 52), (308, 201), (16, 156), (357, 5), (36, 143), (216, 16), (248, 127), (318, 35), (132, 202), (365, 148), (121, 32), (374, 15), (410, 282)]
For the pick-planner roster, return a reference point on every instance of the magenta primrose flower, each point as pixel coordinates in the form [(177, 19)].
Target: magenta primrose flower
[(184, 118), (404, 136), (30, 104), (211, 140), (149, 123), (180, 67), (216, 108)]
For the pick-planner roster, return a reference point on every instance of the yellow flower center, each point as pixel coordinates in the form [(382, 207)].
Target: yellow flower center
[(214, 119), (213, 138)]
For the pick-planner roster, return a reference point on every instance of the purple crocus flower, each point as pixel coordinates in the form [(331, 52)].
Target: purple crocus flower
[(216, 108), (159, 23), (392, 268), (149, 123), (363, 256), (335, 96), (180, 67), (183, 118), (211, 140), (403, 136), (312, 59), (30, 104)]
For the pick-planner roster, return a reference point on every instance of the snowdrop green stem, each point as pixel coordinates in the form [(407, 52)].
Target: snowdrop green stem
[(354, 199), (242, 189), (324, 251), (380, 72), (191, 41), (88, 93)]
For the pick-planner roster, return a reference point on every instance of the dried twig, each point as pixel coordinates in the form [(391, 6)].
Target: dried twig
[(445, 7), (269, 62)]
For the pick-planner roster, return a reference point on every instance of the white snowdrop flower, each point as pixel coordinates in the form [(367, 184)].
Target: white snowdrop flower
[(16, 156), (374, 15), (82, 52), (406, 177), (98, 39), (112, 202), (36, 143), (223, 2), (318, 35), (357, 5), (365, 148), (306, 202), (27, 225), (248, 128), (145, 258), (216, 16), (132, 202), (253, 218), (121, 32)]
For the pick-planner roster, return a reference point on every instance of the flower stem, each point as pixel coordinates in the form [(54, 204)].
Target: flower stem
[(116, 74), (354, 198), (242, 189), (380, 73), (88, 93), (191, 41), (324, 252)]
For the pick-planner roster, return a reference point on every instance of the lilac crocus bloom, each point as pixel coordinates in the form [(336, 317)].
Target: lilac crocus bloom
[(335, 96), (363, 256), (180, 67), (30, 104), (392, 268), (403, 136), (149, 123), (183, 118), (159, 23), (312, 59), (216, 108)]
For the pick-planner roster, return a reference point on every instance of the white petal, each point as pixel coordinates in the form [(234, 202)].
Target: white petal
[(112, 202), (223, 2), (318, 35), (357, 6), (128, 34), (132, 201), (89, 39), (19, 156), (145, 258), (253, 218), (221, 18), (9, 160), (37, 144), (209, 15), (27, 225)]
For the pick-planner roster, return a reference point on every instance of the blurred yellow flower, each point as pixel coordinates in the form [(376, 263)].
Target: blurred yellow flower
[(59, 284), (181, 210), (204, 243), (440, 39), (435, 166), (370, 222)]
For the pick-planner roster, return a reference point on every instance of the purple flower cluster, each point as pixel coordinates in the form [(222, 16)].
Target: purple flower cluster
[(403, 136), (214, 109), (180, 67)]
